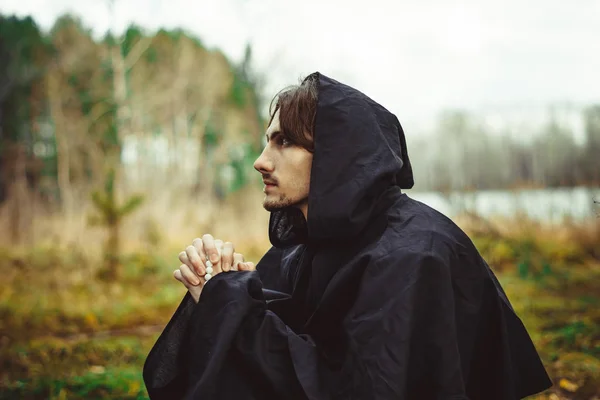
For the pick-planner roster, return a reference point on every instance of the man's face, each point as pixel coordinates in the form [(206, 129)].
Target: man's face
[(285, 168)]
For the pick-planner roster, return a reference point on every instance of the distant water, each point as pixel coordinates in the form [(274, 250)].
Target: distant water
[(540, 204)]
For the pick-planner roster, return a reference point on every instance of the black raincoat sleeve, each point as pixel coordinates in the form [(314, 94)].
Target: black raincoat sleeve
[(165, 367), (234, 348), (401, 338)]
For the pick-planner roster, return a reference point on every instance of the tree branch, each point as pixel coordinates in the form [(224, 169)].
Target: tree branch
[(138, 49)]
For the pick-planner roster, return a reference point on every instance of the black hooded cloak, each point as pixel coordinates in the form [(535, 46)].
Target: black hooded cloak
[(375, 296)]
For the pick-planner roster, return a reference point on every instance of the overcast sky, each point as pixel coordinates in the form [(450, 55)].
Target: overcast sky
[(416, 58)]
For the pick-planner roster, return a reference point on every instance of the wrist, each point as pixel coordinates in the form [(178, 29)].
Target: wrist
[(195, 295)]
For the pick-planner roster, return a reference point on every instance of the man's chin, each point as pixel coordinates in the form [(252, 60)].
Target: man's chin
[(273, 206), (276, 205)]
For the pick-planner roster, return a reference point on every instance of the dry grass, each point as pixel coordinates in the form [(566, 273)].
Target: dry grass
[(175, 220)]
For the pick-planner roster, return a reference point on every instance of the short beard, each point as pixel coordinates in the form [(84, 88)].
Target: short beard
[(281, 203)]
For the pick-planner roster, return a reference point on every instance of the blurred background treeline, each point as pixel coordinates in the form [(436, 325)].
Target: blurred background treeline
[(168, 116), (115, 152)]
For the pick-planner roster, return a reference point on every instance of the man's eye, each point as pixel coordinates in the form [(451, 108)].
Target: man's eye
[(283, 141)]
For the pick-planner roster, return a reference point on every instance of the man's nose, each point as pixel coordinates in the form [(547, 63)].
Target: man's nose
[(263, 164)]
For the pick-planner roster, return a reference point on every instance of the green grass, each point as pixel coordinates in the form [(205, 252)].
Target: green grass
[(90, 368), (66, 334), (112, 383)]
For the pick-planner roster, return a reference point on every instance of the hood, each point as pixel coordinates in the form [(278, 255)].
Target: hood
[(360, 157)]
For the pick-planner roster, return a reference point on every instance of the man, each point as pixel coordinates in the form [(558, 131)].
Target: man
[(365, 294)]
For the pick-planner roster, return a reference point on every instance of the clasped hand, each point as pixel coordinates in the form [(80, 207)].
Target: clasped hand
[(205, 258)]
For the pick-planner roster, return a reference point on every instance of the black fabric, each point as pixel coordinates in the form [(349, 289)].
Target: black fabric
[(375, 296)]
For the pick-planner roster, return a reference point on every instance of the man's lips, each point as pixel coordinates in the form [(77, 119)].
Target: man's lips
[(269, 185)]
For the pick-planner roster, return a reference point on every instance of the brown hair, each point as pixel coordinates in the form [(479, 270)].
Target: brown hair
[(297, 107)]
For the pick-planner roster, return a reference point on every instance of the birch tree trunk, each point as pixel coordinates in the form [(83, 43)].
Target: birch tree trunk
[(20, 210), (62, 146)]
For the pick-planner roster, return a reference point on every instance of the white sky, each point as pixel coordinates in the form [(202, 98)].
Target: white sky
[(416, 58)]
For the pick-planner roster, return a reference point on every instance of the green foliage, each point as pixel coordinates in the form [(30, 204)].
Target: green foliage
[(212, 136), (242, 158), (111, 142), (523, 269), (70, 22), (24, 52), (110, 215), (570, 331), (131, 205), (132, 35), (109, 39), (87, 101), (151, 55), (237, 92), (175, 35)]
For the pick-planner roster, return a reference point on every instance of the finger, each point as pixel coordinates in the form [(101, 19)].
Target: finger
[(189, 275), (177, 275), (210, 249), (219, 265), (227, 256), (195, 260), (184, 259), (247, 266), (197, 243), (237, 259)]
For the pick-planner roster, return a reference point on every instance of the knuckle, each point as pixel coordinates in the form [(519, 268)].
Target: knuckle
[(186, 271), (193, 255)]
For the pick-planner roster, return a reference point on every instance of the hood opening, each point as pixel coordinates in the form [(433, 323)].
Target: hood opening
[(360, 159)]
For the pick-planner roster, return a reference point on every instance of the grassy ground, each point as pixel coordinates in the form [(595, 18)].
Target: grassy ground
[(66, 334)]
